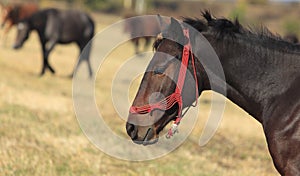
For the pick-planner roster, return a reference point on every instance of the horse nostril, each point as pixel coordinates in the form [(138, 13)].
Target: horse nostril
[(131, 130)]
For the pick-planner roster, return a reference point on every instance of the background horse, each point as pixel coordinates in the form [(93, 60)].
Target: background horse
[(141, 27), (291, 37), (262, 76), (55, 26), (13, 13)]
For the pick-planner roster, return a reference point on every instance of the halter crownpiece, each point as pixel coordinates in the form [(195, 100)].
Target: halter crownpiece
[(175, 97)]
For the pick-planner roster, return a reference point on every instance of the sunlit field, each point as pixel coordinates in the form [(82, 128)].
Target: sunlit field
[(40, 135)]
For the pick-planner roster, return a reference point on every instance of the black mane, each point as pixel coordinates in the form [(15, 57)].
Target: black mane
[(221, 27), (224, 28)]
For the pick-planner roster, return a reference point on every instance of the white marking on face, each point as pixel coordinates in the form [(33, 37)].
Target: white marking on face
[(21, 26)]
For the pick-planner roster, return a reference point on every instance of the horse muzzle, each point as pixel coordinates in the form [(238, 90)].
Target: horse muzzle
[(141, 135), (141, 129), (16, 46)]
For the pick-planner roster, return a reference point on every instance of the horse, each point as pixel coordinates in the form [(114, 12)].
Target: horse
[(13, 13), (141, 27), (291, 37), (262, 76), (58, 27)]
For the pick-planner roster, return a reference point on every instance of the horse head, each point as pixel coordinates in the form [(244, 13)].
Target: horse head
[(168, 85), (23, 30)]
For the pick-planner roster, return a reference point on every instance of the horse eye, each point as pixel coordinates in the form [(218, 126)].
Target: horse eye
[(159, 71)]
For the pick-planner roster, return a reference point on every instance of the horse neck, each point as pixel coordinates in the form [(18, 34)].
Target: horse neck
[(14, 14), (37, 22), (257, 71)]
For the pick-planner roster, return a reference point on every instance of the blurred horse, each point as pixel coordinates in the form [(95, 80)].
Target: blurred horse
[(144, 27), (291, 37), (13, 13), (57, 26)]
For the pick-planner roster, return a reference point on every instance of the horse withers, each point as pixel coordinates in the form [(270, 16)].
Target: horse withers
[(262, 76), (58, 27)]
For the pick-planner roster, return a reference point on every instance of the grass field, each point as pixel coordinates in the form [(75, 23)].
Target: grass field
[(39, 133)]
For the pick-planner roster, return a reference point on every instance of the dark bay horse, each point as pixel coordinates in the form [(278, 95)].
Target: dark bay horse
[(57, 26), (262, 74), (13, 13), (141, 27)]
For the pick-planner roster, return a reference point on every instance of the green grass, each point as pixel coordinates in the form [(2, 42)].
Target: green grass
[(292, 26)]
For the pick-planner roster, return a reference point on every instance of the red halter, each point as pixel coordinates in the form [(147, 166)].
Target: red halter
[(175, 97)]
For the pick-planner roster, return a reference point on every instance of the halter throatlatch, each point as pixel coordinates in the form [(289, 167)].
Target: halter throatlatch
[(175, 97)]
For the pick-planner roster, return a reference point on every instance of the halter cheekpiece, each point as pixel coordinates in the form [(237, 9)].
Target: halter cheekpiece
[(175, 97)]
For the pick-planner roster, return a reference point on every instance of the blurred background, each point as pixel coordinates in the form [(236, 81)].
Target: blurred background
[(278, 15), (39, 133)]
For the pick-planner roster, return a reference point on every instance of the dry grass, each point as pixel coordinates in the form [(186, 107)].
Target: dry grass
[(39, 134)]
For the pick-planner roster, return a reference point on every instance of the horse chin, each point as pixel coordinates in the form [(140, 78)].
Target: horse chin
[(153, 141), (147, 135), (150, 138), (150, 142), (152, 134)]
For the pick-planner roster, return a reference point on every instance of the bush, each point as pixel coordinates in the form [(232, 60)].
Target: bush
[(239, 12), (110, 6), (258, 2), (292, 26)]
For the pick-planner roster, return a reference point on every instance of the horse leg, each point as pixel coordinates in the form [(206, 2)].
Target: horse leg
[(85, 50), (88, 50), (45, 60), (283, 142), (86, 54), (136, 45), (46, 64), (77, 65), (147, 42), (50, 47), (49, 67), (43, 66), (285, 156), (89, 67)]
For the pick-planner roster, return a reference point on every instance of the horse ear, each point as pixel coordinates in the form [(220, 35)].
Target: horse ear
[(175, 31), (163, 24), (206, 14)]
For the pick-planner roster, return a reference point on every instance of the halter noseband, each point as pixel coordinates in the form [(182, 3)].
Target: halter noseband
[(175, 97)]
